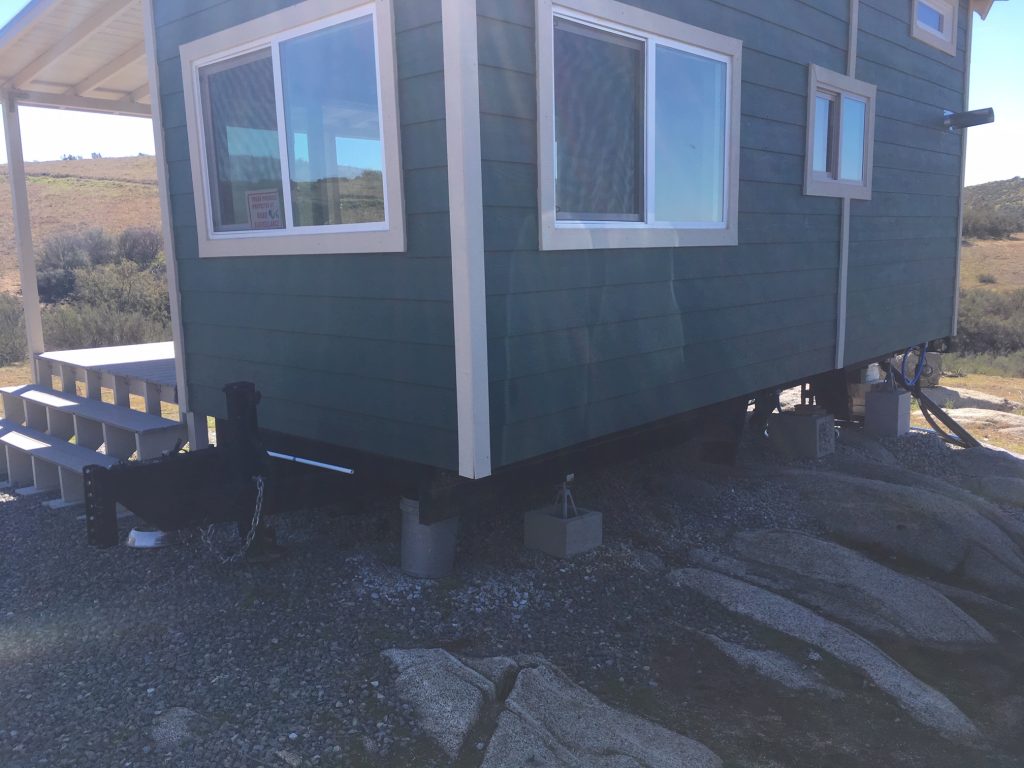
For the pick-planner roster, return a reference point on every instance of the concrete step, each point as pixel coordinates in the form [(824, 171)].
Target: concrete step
[(35, 462), (119, 431)]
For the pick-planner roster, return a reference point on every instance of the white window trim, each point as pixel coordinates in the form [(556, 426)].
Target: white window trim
[(259, 33), (565, 235), (949, 10), (821, 79)]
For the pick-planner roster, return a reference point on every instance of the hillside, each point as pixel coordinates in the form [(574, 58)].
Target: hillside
[(1000, 197), (113, 194)]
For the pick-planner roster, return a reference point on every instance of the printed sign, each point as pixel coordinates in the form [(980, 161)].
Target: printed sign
[(264, 209)]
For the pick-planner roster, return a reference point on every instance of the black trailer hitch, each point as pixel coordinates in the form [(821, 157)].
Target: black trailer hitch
[(194, 488)]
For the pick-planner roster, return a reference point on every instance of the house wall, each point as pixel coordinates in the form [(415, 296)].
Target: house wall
[(356, 349), (583, 343), (903, 242), (590, 342)]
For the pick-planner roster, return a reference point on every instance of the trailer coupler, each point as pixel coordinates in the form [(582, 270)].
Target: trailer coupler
[(195, 488)]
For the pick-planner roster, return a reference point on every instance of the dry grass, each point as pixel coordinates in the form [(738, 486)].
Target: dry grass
[(71, 195), (1002, 259)]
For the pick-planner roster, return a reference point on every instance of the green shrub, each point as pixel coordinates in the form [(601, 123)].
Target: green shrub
[(990, 322), (125, 287), (985, 223), (141, 246), (1010, 365), (59, 257), (12, 330), (987, 278), (75, 326)]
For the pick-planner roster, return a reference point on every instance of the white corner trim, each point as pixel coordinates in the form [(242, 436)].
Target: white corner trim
[(843, 279), (167, 230), (845, 211), (466, 212), (969, 23)]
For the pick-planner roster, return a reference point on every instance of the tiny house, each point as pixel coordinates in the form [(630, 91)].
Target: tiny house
[(464, 234)]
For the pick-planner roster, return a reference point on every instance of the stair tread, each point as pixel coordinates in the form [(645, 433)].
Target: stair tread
[(96, 410), (51, 448)]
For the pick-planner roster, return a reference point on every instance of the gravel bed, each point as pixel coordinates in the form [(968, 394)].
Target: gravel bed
[(121, 657)]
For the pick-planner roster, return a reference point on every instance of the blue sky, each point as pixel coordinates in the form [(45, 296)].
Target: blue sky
[(994, 151)]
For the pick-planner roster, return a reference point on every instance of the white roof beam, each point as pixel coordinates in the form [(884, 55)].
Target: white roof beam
[(78, 35), (82, 103), (108, 70), (139, 93)]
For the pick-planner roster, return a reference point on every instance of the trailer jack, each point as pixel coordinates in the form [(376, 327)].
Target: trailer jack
[(196, 488)]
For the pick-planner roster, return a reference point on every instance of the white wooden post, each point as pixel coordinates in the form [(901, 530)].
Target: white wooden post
[(23, 231)]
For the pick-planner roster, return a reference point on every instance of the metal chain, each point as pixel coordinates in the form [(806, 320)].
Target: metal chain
[(206, 534)]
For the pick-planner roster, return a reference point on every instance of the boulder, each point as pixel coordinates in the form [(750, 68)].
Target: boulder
[(775, 666), (173, 727), (854, 590), (551, 721), (545, 719), (447, 696), (923, 703), (941, 533), (985, 495), (960, 397)]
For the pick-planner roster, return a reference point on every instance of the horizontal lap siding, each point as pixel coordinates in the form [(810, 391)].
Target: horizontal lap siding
[(586, 343), (903, 242), (353, 349)]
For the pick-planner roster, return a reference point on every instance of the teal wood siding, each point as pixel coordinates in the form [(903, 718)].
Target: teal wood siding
[(903, 242), (584, 343), (356, 349)]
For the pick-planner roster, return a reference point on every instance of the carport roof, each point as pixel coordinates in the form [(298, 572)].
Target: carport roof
[(77, 54)]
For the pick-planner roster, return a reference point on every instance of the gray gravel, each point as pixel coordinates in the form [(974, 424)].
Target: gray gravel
[(168, 658)]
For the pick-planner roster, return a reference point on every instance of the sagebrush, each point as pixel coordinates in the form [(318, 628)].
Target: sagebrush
[(97, 290)]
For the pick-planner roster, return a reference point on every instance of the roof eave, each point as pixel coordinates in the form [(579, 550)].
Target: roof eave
[(982, 7)]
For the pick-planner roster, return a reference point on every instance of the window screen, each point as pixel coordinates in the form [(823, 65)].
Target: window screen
[(243, 157), (599, 125)]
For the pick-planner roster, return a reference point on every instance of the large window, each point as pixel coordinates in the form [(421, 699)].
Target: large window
[(840, 135), (934, 22), (638, 129), (293, 133)]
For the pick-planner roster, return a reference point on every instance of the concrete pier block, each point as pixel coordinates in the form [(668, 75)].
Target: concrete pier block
[(547, 531), (807, 432), (887, 413)]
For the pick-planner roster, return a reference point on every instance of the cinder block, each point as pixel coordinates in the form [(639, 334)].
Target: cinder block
[(805, 433), (887, 413), (549, 532)]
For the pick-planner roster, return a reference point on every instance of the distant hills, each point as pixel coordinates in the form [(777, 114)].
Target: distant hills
[(1006, 197), (70, 196)]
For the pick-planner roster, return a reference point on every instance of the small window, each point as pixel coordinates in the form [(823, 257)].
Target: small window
[(840, 135), (935, 22), (286, 159), (639, 146)]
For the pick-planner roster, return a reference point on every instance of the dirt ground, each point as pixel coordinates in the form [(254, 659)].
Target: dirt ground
[(279, 664), (1001, 259)]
